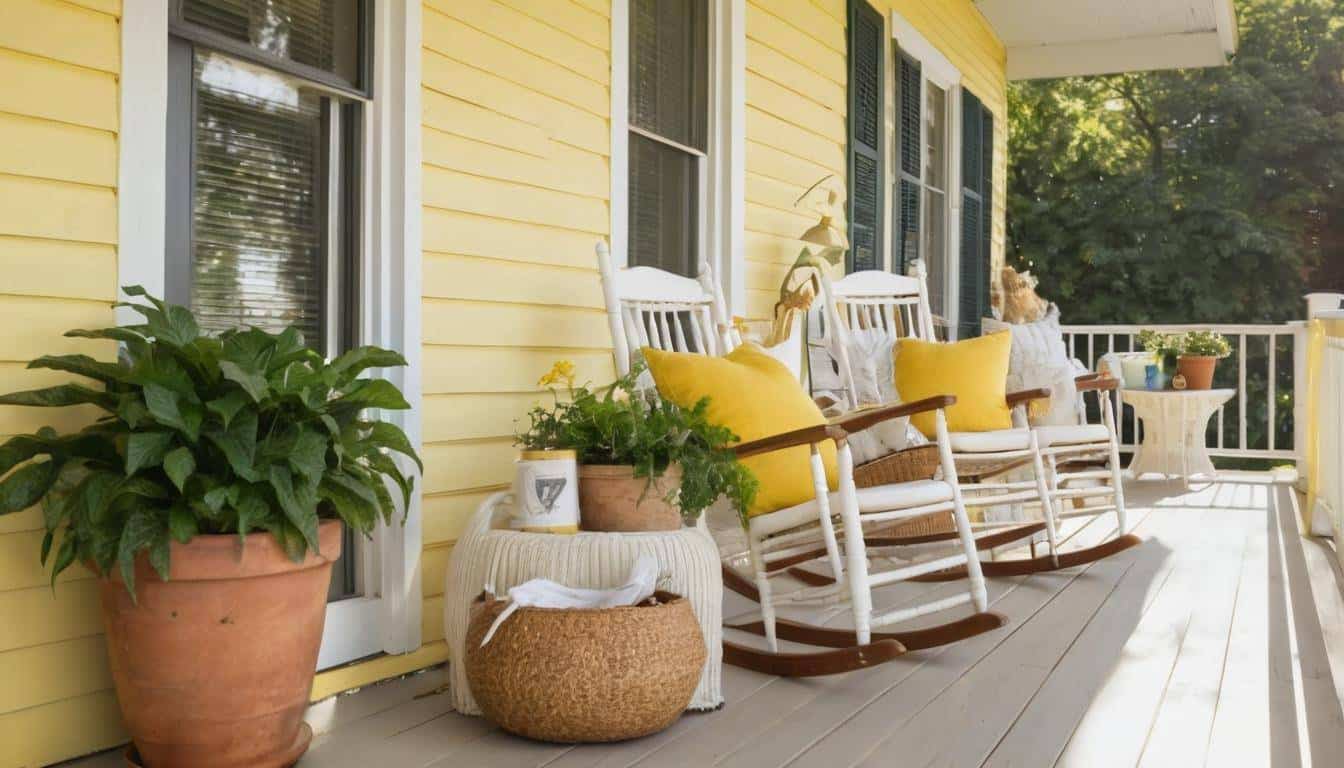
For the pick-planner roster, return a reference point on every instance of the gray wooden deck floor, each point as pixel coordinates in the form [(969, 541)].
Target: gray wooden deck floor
[(1203, 646)]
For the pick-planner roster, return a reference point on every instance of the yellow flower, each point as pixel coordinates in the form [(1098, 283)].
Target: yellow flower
[(562, 371)]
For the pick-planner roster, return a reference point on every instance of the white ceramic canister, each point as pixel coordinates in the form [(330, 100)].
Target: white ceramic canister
[(546, 492)]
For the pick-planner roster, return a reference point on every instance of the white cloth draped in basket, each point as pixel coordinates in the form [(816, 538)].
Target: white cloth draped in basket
[(544, 593), (487, 557)]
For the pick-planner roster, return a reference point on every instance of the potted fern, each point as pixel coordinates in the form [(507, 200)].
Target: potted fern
[(209, 501), (645, 464), (1200, 352)]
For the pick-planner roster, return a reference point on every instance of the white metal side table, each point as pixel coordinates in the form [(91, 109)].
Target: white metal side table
[(1174, 423)]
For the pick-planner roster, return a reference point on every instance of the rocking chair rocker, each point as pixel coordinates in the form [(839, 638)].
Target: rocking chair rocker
[(649, 308)]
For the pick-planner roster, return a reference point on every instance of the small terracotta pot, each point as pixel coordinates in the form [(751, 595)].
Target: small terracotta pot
[(213, 668), (611, 498), (1197, 370)]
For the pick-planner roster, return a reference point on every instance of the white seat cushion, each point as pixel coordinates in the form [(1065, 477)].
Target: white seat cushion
[(882, 498), (1018, 439), (1073, 435)]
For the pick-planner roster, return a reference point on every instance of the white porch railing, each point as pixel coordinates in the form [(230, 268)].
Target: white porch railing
[(1329, 485), (1266, 419)]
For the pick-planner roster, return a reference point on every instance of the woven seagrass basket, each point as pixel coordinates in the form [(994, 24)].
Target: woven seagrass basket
[(918, 463), (585, 675)]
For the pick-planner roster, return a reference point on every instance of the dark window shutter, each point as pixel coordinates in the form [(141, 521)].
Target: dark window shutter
[(906, 234), (865, 135), (977, 213)]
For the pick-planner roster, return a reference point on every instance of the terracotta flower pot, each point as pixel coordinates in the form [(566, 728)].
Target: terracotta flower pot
[(611, 498), (1197, 370), (213, 668)]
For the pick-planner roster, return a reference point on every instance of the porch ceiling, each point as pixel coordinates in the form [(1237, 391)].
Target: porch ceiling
[(1060, 38)]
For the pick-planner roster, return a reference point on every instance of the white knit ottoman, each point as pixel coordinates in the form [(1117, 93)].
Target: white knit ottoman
[(491, 557)]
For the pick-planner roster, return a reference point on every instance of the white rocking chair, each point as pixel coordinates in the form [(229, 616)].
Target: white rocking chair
[(1059, 457), (643, 307)]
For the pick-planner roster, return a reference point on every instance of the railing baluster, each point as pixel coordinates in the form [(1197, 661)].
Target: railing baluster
[(1273, 385), (1241, 392)]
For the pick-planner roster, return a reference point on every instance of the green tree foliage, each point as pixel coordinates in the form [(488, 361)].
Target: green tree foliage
[(1200, 195)]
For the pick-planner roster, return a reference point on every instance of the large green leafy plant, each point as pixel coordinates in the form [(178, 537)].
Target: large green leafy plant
[(622, 424), (229, 434)]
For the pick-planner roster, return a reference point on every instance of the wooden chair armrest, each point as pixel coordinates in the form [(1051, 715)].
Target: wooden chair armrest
[(1099, 383), (1087, 377), (804, 436), (857, 421), (1027, 395)]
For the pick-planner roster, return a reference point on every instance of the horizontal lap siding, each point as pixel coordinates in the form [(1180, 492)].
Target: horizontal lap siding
[(58, 239), (515, 134), (795, 131), (796, 116)]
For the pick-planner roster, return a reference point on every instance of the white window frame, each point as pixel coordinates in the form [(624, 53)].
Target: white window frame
[(388, 619), (935, 68), (721, 171)]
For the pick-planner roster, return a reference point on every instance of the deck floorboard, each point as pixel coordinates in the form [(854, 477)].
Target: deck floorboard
[(1216, 642)]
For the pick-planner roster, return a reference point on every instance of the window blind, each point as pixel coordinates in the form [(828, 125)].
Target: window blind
[(866, 170), (323, 34), (258, 199)]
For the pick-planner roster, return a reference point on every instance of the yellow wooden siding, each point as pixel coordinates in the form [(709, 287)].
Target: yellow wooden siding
[(58, 236), (797, 107), (516, 185)]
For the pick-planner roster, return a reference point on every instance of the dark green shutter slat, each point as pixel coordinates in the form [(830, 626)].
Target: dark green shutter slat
[(907, 230), (865, 135), (977, 213), (905, 248), (987, 196), (911, 73)]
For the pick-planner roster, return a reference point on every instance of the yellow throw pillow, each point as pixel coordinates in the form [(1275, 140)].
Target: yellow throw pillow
[(975, 370), (755, 396)]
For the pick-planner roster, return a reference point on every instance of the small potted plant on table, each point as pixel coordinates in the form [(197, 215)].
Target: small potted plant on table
[(1200, 352), (1164, 347), (209, 501), (644, 463)]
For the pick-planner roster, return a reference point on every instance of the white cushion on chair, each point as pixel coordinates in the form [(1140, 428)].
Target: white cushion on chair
[(1072, 435), (991, 442), (1040, 358), (882, 498)]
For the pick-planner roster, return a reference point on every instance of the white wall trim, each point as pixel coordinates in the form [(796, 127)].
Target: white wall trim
[(936, 66), (142, 140), (620, 134), (730, 158), (392, 288)]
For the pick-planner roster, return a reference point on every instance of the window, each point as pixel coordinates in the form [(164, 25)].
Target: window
[(865, 166), (925, 205), (922, 179), (668, 133), (267, 103), (266, 119)]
